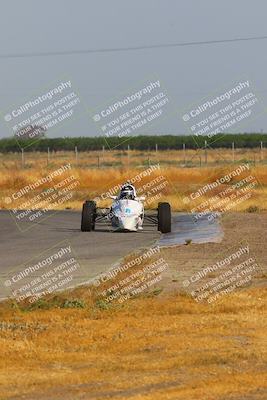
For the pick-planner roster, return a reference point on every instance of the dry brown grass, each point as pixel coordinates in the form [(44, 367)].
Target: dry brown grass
[(93, 181), (74, 345), (148, 348)]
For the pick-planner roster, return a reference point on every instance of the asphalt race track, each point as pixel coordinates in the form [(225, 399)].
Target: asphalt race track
[(96, 252)]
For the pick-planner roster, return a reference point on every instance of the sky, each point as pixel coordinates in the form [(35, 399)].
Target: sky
[(188, 73)]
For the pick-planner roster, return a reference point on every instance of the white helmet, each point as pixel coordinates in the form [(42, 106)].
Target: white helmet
[(127, 191)]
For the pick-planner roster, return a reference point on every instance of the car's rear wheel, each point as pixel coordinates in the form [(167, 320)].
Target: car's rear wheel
[(164, 217), (88, 216)]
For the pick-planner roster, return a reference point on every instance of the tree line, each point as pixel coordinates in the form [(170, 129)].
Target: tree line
[(163, 142)]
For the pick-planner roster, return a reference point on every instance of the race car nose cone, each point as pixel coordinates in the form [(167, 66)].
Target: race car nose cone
[(128, 223)]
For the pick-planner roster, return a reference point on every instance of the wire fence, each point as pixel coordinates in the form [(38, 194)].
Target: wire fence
[(131, 158)]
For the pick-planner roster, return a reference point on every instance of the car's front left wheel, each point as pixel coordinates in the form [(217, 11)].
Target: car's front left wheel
[(88, 216)]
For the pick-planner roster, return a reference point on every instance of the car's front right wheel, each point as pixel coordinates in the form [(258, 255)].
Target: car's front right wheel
[(164, 217)]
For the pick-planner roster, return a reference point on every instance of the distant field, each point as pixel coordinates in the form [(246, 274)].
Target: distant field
[(97, 172)]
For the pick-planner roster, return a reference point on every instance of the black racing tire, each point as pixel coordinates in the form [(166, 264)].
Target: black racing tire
[(164, 217), (88, 216)]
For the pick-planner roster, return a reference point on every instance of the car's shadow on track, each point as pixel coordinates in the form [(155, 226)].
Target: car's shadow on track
[(100, 227), (103, 230), (66, 229), (120, 231)]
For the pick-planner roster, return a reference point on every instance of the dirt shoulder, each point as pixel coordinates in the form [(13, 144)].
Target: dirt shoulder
[(240, 230)]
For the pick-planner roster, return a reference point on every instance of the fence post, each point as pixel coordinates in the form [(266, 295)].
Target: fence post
[(206, 155), (76, 154), (156, 147), (261, 151), (128, 155), (98, 162), (184, 153), (233, 151), (48, 155), (22, 158)]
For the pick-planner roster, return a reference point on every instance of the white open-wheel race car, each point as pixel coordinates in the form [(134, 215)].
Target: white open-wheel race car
[(126, 213)]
